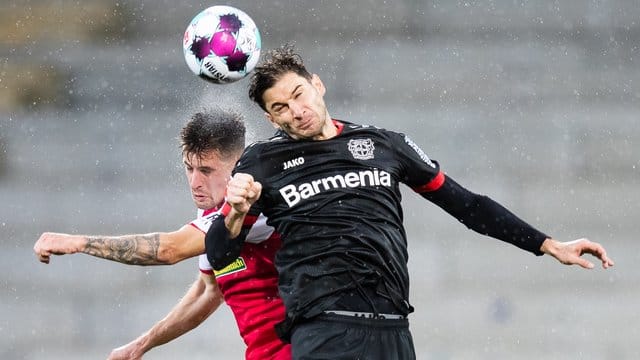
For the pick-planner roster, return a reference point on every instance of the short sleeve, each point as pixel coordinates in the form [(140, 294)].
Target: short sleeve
[(420, 172), (204, 265), (203, 222)]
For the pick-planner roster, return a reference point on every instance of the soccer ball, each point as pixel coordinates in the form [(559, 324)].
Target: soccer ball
[(221, 44)]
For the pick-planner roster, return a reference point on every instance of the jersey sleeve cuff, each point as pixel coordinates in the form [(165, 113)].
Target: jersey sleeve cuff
[(226, 209), (432, 185)]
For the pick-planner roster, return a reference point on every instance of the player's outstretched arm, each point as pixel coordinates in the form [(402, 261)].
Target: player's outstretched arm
[(139, 249), (570, 252), (200, 301)]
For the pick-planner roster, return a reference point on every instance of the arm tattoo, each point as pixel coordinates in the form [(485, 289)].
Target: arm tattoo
[(127, 249)]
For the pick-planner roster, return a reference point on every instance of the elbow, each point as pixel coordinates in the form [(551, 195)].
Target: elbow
[(168, 255), (217, 259), (220, 261), (223, 253), (215, 295)]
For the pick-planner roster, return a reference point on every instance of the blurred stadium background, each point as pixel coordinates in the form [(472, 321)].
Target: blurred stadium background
[(533, 103)]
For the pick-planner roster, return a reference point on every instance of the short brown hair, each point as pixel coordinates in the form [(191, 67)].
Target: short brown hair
[(213, 130), (276, 63)]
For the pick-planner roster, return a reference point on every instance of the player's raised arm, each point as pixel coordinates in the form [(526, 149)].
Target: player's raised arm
[(225, 237), (137, 249)]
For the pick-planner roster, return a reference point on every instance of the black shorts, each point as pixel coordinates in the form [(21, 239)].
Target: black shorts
[(331, 336)]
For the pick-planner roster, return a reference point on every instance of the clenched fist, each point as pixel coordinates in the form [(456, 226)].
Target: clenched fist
[(242, 192), (56, 244)]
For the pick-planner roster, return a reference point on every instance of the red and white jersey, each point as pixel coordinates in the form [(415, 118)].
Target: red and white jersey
[(250, 288)]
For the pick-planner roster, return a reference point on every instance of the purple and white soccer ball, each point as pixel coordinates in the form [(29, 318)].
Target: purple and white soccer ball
[(221, 44)]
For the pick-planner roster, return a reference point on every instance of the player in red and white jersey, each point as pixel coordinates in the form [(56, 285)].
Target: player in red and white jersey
[(212, 142), (250, 288)]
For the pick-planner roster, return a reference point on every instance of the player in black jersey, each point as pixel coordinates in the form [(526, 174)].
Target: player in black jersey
[(332, 189)]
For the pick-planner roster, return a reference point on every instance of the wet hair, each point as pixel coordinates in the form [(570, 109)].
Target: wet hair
[(213, 130), (276, 63)]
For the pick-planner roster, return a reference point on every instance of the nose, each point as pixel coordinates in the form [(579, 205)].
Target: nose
[(296, 109), (196, 180)]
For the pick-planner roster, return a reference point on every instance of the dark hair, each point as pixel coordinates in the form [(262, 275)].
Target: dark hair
[(276, 63), (213, 130)]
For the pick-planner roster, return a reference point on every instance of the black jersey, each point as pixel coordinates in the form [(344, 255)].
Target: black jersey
[(337, 205)]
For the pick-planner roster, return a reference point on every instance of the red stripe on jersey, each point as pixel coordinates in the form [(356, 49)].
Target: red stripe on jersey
[(207, 272), (432, 185)]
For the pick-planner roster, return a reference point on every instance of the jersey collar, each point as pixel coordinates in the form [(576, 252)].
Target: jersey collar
[(210, 211), (337, 123), (339, 126)]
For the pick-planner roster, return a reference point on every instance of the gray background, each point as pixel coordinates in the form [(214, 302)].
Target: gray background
[(534, 103)]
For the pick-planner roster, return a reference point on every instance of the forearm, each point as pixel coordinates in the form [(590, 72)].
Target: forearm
[(233, 221), (498, 222), (221, 245), (196, 306), (140, 249), (224, 239), (487, 217)]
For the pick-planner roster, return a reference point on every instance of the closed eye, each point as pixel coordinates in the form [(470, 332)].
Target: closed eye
[(206, 171)]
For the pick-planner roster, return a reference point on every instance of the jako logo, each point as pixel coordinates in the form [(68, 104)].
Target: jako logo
[(291, 163), (292, 194)]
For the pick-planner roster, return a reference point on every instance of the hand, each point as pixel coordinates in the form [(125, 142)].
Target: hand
[(55, 244), (570, 253), (242, 192), (126, 352)]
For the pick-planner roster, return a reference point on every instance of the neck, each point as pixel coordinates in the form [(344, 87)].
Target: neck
[(329, 130)]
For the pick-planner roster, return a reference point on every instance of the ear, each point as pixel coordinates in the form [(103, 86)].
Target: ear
[(317, 83), (270, 118)]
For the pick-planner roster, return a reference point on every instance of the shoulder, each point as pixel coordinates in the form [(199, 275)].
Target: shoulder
[(352, 128), (258, 146), (364, 131), (261, 155)]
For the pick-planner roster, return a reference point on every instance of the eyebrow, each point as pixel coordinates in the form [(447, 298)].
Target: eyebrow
[(201, 168), (281, 103)]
